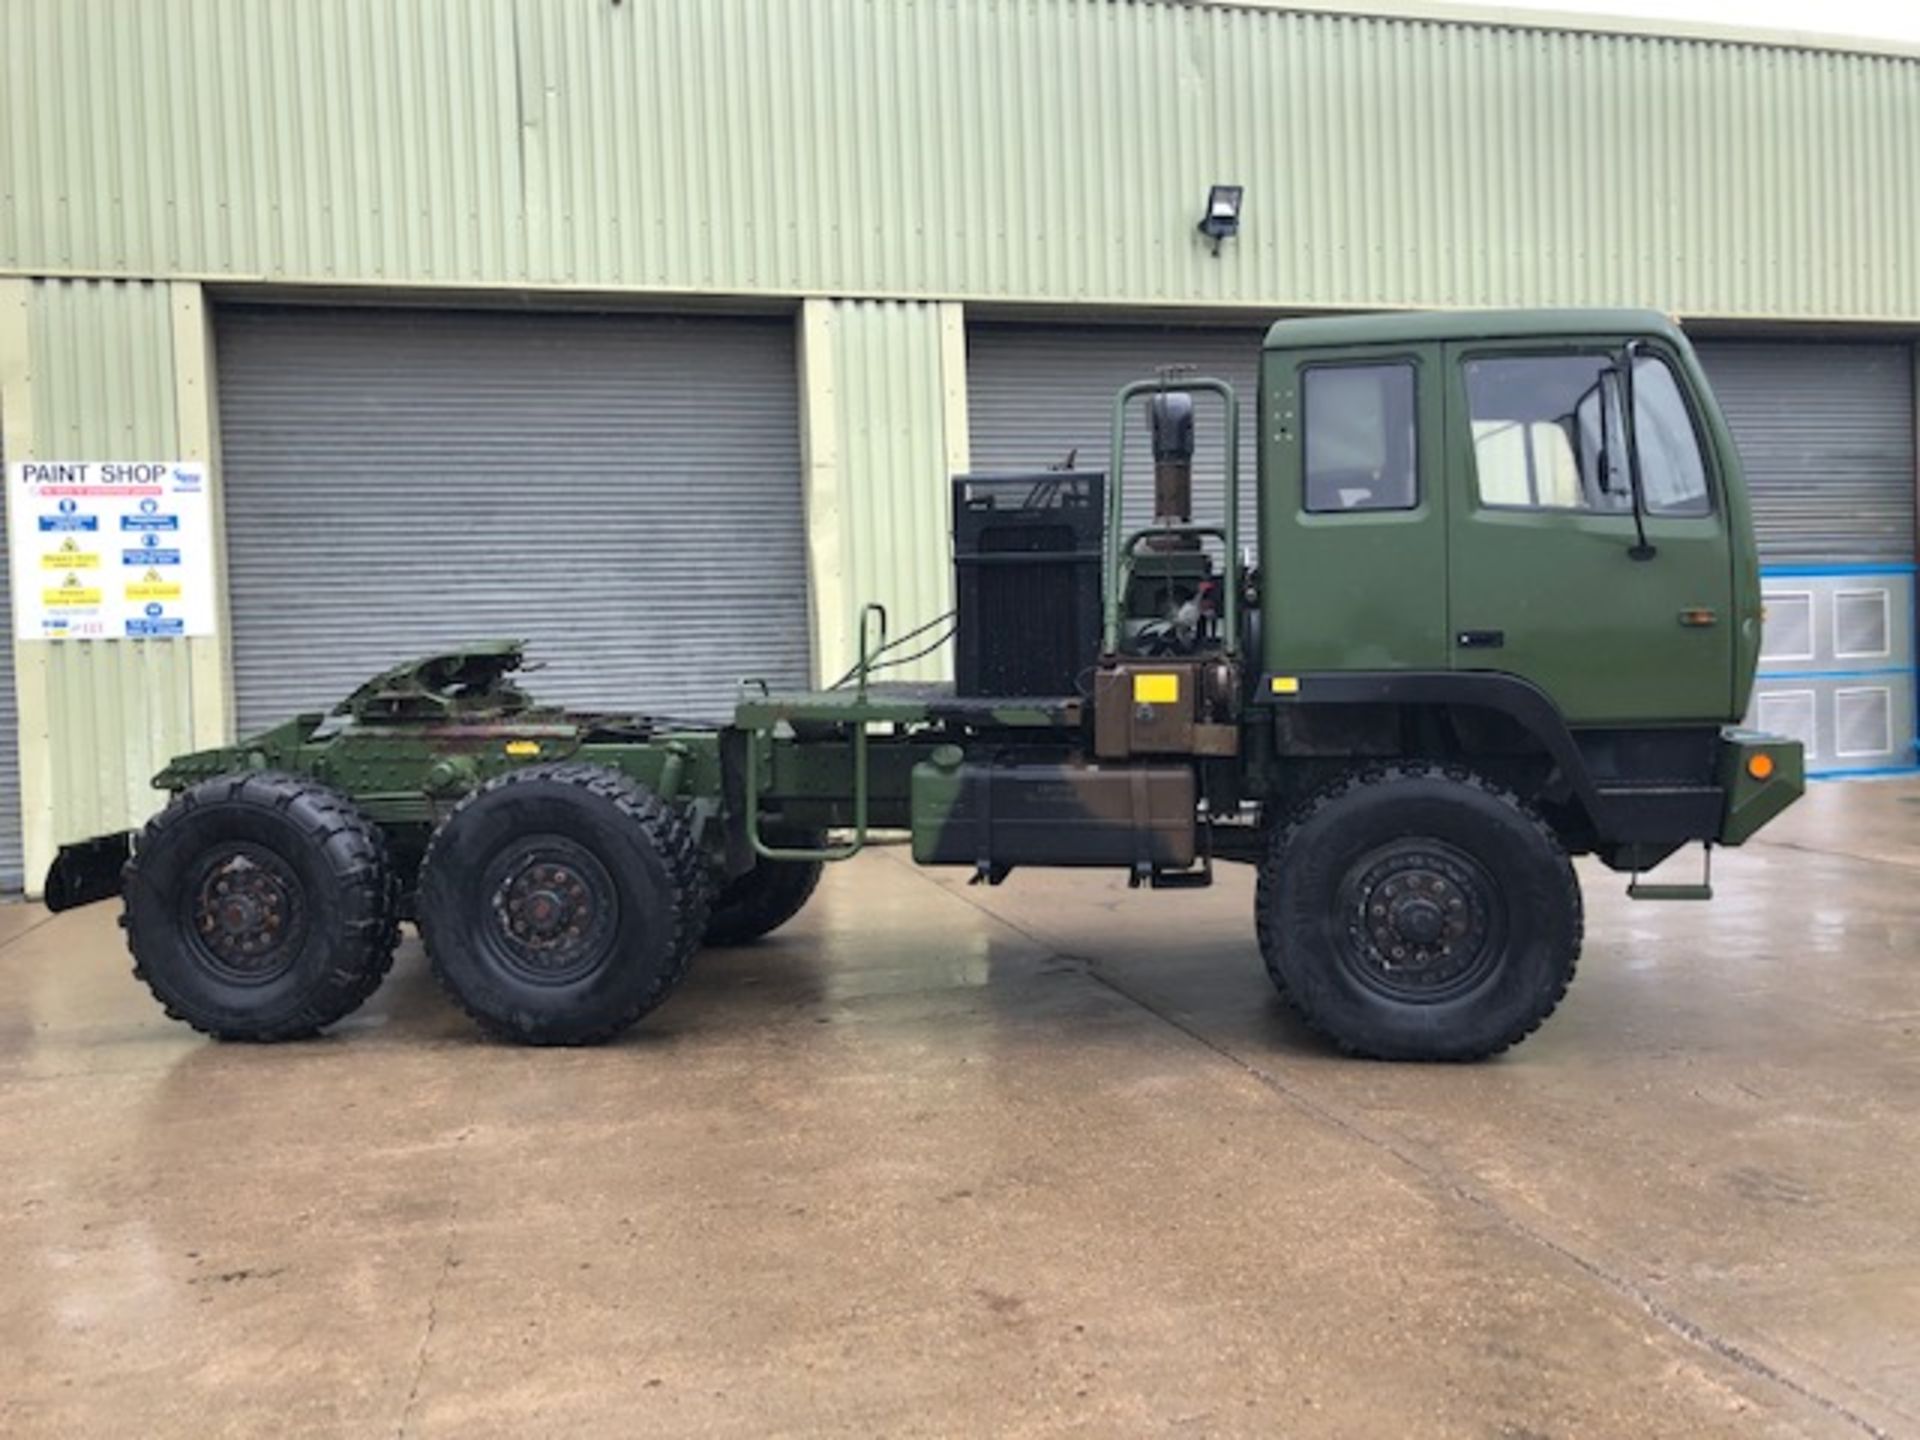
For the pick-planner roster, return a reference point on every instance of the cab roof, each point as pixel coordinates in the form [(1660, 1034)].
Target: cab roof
[(1403, 326)]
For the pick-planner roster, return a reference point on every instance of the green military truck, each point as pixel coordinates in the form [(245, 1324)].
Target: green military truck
[(1503, 609)]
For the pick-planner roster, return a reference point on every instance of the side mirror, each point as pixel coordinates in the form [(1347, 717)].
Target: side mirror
[(1613, 441)]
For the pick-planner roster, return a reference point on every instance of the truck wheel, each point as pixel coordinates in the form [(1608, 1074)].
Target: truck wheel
[(1419, 913), (767, 896), (560, 903), (260, 906)]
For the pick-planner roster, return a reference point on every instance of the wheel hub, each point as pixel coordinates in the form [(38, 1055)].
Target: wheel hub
[(245, 914), (547, 905), (553, 910), (1420, 917)]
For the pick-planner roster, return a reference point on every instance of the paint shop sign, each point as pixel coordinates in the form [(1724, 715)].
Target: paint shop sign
[(110, 550)]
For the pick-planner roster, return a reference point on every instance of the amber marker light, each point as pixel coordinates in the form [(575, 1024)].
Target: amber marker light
[(1760, 766)]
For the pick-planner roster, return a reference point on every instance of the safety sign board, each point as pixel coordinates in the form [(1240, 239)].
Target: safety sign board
[(110, 549)]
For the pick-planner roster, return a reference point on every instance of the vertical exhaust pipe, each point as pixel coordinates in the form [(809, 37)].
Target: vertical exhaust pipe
[(1170, 416)]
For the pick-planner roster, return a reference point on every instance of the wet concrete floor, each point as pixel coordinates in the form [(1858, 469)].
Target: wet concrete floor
[(1040, 1160)]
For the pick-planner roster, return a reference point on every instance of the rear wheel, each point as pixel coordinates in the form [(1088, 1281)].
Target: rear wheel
[(1419, 913), (767, 896), (260, 906), (560, 903)]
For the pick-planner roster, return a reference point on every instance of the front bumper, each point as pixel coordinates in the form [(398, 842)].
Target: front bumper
[(1759, 776)]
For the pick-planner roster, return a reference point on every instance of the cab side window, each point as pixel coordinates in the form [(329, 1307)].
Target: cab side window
[(1359, 438), (1548, 435)]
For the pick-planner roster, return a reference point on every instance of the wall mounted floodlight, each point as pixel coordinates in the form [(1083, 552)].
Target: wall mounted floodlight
[(1222, 220)]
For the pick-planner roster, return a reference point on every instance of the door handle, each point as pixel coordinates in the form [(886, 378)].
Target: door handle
[(1480, 639)]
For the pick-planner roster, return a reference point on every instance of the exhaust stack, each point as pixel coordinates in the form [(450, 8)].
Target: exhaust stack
[(1170, 415)]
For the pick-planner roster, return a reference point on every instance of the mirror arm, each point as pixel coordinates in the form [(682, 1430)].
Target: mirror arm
[(1641, 550)]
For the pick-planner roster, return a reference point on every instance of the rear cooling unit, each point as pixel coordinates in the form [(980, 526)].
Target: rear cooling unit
[(1026, 554)]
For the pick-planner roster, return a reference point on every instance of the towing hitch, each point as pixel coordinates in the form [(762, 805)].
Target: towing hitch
[(87, 870)]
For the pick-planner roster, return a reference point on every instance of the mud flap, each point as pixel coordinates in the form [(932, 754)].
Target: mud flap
[(87, 870)]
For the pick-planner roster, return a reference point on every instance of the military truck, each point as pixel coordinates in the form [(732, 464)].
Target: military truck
[(1503, 608)]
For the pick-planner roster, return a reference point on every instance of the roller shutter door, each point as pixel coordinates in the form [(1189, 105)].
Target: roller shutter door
[(1037, 392), (1826, 436), (621, 491)]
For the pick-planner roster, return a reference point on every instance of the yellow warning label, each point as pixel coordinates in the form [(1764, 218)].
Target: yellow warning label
[(523, 747), (153, 590), (1286, 684), (1156, 689), (70, 595), (70, 560)]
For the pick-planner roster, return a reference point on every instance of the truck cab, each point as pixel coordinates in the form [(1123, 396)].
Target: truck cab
[(1525, 534)]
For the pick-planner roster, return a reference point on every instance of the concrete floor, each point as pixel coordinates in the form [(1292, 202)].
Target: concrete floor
[(1046, 1159)]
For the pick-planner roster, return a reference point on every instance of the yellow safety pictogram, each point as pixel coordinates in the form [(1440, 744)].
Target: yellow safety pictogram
[(70, 557), (71, 592)]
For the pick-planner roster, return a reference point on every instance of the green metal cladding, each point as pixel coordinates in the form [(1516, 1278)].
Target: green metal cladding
[(104, 369), (886, 425), (1043, 150)]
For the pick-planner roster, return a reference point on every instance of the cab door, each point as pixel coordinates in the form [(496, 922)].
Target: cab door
[(1547, 579), (1352, 513)]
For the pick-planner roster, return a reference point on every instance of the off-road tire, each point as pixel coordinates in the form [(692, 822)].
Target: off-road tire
[(767, 896), (574, 948), (238, 860), (1431, 848)]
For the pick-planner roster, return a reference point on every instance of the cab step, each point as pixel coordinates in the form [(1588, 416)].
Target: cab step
[(1197, 878), (1641, 890), (1702, 889)]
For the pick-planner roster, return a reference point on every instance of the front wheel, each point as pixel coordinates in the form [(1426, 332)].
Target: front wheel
[(560, 903), (1419, 913)]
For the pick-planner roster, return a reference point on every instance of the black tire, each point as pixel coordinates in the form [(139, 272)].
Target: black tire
[(260, 906), (1419, 912), (767, 896), (560, 903)]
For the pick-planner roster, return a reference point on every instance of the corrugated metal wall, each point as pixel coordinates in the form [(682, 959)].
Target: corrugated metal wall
[(12, 860), (101, 382), (1046, 149), (886, 427)]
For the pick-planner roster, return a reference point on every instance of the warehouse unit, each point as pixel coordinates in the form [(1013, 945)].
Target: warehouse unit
[(593, 321)]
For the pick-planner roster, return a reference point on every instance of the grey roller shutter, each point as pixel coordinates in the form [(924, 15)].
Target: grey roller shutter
[(12, 861), (1826, 436), (622, 491), (1035, 392)]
